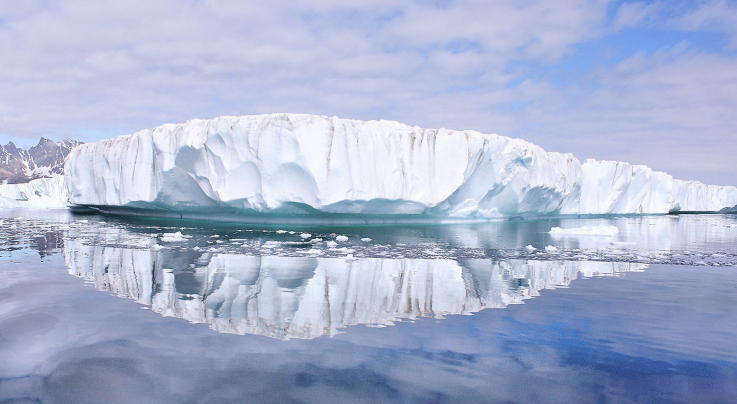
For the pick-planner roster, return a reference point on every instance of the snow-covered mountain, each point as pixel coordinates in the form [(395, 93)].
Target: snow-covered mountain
[(307, 164), (45, 160)]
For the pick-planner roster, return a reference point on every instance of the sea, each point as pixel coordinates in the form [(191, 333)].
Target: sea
[(621, 309)]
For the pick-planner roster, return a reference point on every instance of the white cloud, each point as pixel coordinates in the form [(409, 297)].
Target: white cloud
[(73, 67)]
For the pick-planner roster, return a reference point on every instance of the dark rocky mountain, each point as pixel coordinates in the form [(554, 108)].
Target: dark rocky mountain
[(44, 160)]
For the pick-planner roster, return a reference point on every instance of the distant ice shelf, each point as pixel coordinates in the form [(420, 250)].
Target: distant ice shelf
[(43, 193), (310, 167)]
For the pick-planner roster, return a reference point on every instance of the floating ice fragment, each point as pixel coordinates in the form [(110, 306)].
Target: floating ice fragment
[(174, 237), (332, 244), (341, 239), (305, 235), (530, 248), (586, 231), (281, 231), (551, 249), (366, 239)]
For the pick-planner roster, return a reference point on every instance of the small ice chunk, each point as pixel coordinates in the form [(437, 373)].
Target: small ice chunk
[(174, 237), (551, 249), (305, 235), (82, 221), (530, 248), (281, 231), (315, 240), (332, 244), (315, 251), (341, 239), (365, 239), (270, 244)]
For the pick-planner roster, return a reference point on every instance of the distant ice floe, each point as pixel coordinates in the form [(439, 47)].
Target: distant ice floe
[(176, 237), (585, 231)]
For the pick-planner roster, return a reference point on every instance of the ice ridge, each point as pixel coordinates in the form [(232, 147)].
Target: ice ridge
[(316, 165)]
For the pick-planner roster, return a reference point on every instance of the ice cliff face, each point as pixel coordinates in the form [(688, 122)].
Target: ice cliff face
[(35, 194), (289, 163)]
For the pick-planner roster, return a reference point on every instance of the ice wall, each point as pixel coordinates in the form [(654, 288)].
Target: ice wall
[(290, 163), (40, 193)]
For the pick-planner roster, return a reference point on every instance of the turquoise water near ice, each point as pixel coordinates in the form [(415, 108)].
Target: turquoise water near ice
[(104, 309)]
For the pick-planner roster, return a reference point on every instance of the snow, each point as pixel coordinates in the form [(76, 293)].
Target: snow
[(294, 163), (43, 193), (586, 231)]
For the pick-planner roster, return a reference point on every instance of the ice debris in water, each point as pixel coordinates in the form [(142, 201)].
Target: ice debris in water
[(530, 248), (551, 249), (305, 235), (366, 239), (341, 239), (281, 231), (174, 237), (586, 231), (332, 244)]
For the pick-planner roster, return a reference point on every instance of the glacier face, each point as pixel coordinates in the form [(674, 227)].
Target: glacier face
[(43, 193), (293, 163)]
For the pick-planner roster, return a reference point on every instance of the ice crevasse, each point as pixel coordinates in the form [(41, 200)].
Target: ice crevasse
[(305, 164)]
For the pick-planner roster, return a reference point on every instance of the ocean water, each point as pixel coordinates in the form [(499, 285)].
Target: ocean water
[(99, 309)]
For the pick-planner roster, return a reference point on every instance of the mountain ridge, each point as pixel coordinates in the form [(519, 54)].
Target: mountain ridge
[(45, 160)]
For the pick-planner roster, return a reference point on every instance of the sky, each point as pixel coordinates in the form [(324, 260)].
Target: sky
[(651, 82)]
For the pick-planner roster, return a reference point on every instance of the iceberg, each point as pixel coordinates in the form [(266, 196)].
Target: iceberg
[(43, 193), (307, 167)]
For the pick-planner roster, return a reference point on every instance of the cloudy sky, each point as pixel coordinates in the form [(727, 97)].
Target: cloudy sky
[(645, 82)]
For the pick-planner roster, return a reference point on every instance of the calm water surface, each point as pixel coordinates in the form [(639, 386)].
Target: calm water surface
[(103, 310)]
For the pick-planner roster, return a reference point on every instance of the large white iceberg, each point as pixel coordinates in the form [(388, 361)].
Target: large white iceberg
[(318, 165)]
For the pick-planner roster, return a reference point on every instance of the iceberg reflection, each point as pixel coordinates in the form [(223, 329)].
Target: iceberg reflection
[(307, 297)]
